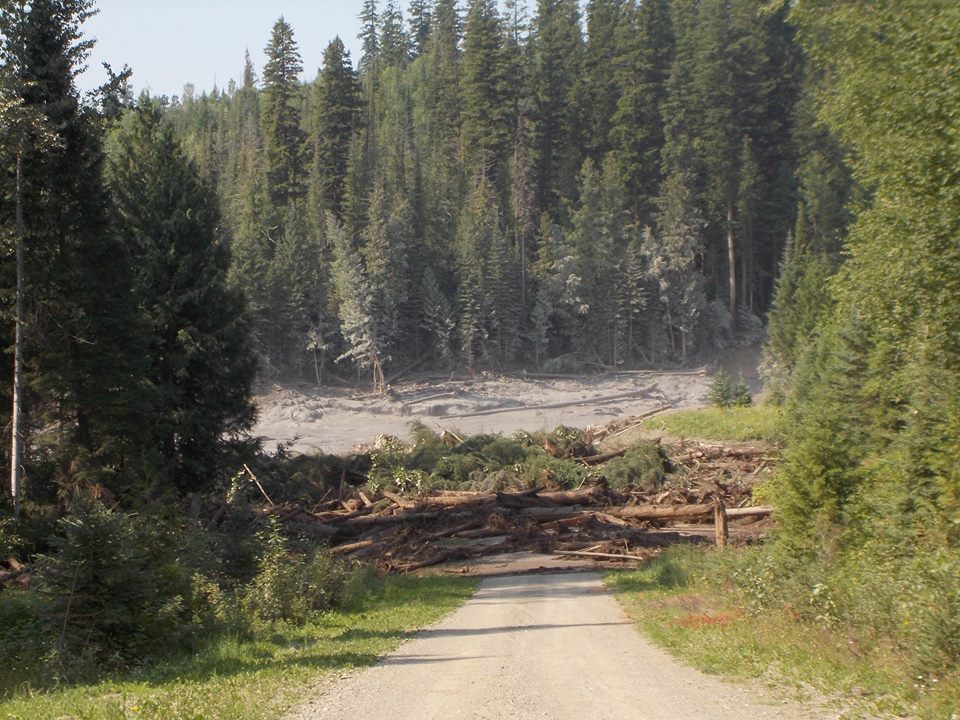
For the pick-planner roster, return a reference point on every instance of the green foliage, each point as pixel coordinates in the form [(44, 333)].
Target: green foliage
[(721, 393), (789, 623), (260, 676), (289, 586), (200, 368), (113, 590), (741, 395), (283, 136), (643, 467)]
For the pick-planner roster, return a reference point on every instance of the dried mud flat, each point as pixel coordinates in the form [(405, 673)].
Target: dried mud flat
[(540, 646), (333, 420)]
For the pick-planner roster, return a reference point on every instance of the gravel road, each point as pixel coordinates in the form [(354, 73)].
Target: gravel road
[(539, 646)]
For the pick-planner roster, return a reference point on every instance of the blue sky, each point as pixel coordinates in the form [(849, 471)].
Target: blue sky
[(173, 42)]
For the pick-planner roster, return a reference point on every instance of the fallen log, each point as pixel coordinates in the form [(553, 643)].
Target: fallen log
[(352, 547), (373, 520), (605, 556), (451, 531), (592, 460), (759, 511), (677, 512), (653, 512)]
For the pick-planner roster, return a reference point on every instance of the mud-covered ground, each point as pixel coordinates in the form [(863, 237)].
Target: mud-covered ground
[(336, 419)]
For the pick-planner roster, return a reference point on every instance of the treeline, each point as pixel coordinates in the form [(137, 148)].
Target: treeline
[(491, 187)]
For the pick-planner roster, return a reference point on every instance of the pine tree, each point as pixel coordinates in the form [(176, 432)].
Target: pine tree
[(557, 131), (419, 17), (78, 294), (336, 107), (201, 369), (485, 106), (283, 136)]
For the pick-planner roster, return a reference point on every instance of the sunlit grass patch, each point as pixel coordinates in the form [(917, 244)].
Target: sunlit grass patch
[(756, 422)]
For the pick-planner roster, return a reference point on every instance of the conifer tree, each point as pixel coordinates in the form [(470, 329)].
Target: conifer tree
[(201, 369), (78, 280), (485, 105), (671, 257), (419, 17), (355, 299), (336, 107), (604, 17), (283, 136), (369, 35), (557, 87), (644, 42), (394, 42)]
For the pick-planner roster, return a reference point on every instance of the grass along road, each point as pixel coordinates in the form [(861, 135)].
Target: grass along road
[(259, 678)]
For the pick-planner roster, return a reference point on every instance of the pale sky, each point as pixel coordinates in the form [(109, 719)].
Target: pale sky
[(168, 43)]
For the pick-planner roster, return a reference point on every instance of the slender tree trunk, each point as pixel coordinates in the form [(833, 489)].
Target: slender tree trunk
[(732, 261), (16, 444)]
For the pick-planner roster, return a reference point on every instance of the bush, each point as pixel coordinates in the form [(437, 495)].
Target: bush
[(721, 389), (289, 586), (741, 395), (113, 593)]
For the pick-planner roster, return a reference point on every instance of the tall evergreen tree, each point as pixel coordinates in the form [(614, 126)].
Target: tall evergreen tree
[(336, 107), (485, 107), (369, 35), (201, 368), (419, 17), (83, 350), (283, 136), (557, 127)]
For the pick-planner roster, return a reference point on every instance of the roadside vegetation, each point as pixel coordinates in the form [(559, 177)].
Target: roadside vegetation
[(731, 613), (249, 669)]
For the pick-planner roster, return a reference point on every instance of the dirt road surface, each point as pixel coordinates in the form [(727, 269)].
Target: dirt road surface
[(539, 646)]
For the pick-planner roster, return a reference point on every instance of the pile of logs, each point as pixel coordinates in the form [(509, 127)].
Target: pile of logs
[(403, 534)]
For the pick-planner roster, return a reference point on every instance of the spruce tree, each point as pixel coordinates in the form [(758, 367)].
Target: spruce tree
[(201, 368), (557, 87), (419, 17), (369, 35), (485, 105), (336, 107), (355, 306), (84, 347), (283, 136)]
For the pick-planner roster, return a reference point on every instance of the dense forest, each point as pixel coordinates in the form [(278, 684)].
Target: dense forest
[(492, 187), (570, 186)]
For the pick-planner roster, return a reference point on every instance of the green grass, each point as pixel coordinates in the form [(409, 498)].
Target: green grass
[(756, 422), (257, 679), (681, 601)]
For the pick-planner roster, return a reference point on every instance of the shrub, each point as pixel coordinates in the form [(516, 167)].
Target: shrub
[(721, 389), (289, 586), (741, 395), (113, 592)]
